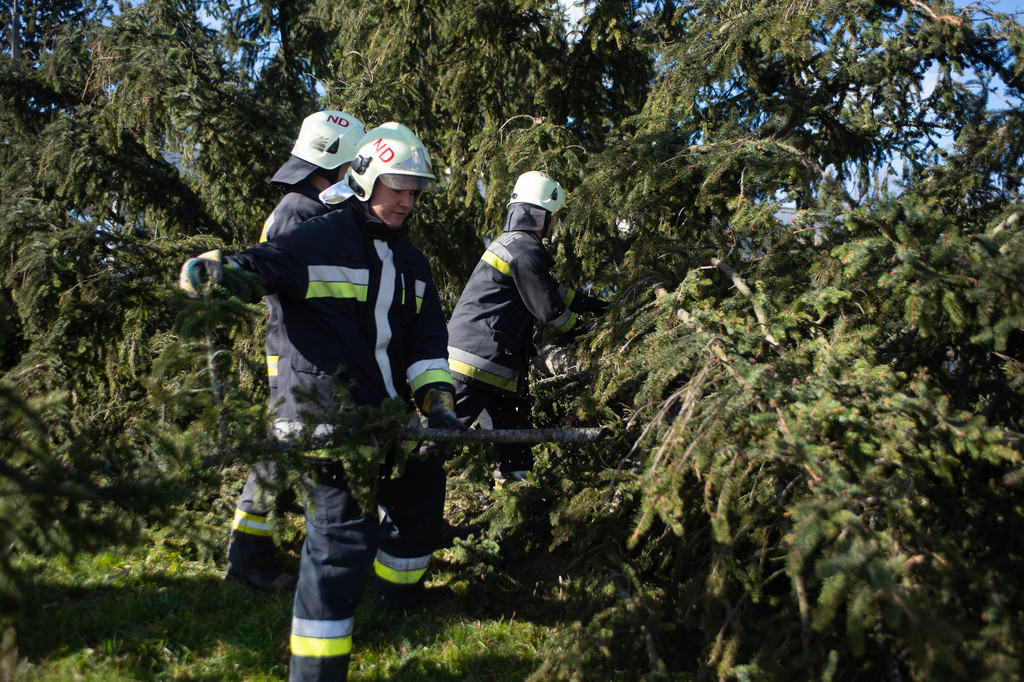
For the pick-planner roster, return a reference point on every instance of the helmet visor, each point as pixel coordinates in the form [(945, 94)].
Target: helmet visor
[(413, 182)]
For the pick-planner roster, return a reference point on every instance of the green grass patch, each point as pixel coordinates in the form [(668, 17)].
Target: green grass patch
[(164, 612)]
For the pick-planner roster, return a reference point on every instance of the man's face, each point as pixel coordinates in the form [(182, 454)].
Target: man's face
[(391, 205)]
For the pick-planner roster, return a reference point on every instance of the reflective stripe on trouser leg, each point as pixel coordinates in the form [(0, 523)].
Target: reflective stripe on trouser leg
[(321, 649), (398, 570), (250, 524), (337, 560), (409, 531), (252, 540)]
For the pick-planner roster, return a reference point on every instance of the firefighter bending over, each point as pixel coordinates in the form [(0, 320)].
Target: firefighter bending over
[(491, 329)]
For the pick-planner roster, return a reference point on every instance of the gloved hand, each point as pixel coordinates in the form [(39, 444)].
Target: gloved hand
[(197, 270), (577, 331), (439, 406), (591, 304)]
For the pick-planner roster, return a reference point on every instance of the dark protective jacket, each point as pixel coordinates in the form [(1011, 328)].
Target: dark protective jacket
[(490, 333), (300, 203), (360, 309)]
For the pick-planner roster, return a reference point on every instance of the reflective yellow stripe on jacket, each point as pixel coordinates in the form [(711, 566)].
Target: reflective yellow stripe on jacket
[(482, 369), (498, 257), (334, 281), (421, 290)]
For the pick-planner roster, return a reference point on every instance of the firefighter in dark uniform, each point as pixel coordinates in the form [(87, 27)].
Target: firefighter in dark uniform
[(490, 334), (360, 307), (319, 158)]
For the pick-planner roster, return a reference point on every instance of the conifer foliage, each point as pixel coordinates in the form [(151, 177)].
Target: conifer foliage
[(810, 465), (106, 173), (820, 483)]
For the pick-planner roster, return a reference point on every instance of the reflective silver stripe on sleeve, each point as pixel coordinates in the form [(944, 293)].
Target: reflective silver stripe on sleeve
[(499, 250), (422, 366), (385, 296), (482, 363), (267, 224), (561, 320), (336, 273)]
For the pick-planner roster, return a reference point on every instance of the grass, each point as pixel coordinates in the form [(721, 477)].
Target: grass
[(161, 613)]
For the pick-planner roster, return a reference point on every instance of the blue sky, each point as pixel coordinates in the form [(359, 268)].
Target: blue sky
[(1008, 6)]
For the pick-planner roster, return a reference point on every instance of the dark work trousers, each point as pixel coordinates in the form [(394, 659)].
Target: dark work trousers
[(494, 411), (346, 545), (252, 542)]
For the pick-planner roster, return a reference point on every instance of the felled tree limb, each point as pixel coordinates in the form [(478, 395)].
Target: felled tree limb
[(557, 360), (503, 435), (741, 285), (558, 380)]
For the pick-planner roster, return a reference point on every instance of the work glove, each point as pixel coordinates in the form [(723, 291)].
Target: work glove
[(439, 406), (578, 331), (592, 305), (211, 266), (196, 271)]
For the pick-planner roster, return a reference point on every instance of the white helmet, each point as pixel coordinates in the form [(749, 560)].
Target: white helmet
[(328, 138), (392, 153), (538, 189)]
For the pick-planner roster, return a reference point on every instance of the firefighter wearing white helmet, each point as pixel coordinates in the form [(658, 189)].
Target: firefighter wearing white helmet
[(319, 157), (364, 325), (490, 334)]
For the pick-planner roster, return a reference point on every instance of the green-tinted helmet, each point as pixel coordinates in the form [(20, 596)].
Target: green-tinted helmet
[(538, 189), (393, 154)]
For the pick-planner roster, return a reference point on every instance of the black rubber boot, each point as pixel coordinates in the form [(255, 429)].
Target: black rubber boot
[(403, 597), (271, 580)]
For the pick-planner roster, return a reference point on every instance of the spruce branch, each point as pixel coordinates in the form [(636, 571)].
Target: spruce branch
[(567, 379), (501, 130), (925, 9), (805, 609), (566, 435), (716, 344), (812, 165), (741, 285), (1008, 221), (652, 651)]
